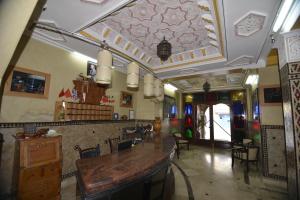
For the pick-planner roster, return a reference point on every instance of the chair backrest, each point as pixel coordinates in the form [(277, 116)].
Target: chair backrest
[(247, 141), (89, 152), (177, 135), (253, 153), (113, 144), (124, 145)]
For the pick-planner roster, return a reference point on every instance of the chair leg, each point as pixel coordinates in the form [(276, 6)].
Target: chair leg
[(247, 166), (188, 146), (177, 151)]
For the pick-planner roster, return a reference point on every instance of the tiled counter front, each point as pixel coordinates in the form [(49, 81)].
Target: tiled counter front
[(86, 134)]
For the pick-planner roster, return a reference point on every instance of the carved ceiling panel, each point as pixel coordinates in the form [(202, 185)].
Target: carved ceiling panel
[(249, 24), (186, 24)]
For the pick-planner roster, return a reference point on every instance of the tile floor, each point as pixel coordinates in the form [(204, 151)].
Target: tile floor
[(211, 178)]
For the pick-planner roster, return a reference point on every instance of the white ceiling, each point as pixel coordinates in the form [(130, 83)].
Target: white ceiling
[(207, 36)]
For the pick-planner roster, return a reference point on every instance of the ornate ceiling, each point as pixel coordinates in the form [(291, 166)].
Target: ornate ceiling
[(207, 36), (189, 25)]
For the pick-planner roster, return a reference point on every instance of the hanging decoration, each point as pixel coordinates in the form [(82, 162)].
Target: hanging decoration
[(133, 75), (62, 93), (104, 67), (164, 50), (148, 85), (68, 93)]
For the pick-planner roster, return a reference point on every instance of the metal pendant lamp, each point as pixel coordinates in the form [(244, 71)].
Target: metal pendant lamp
[(164, 50), (206, 87)]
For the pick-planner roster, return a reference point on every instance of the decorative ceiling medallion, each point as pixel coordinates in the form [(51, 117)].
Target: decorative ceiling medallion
[(249, 24), (58, 37), (241, 60)]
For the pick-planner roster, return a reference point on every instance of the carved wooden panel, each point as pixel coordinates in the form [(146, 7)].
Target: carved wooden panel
[(93, 91), (36, 152)]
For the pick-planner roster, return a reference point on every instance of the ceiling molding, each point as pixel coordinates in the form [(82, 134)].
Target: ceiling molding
[(57, 37), (241, 61)]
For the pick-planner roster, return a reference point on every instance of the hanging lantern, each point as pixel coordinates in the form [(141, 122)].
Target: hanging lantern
[(206, 87), (164, 50), (104, 67), (148, 85), (133, 75), (157, 87)]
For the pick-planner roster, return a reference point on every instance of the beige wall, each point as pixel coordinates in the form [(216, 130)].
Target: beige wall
[(270, 115), (63, 67), (14, 16)]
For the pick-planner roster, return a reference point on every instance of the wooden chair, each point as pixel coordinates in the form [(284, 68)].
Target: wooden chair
[(113, 144), (89, 152), (179, 142)]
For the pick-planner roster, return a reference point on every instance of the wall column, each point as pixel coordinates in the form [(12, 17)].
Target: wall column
[(289, 61)]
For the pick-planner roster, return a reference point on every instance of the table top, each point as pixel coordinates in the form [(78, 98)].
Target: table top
[(105, 172)]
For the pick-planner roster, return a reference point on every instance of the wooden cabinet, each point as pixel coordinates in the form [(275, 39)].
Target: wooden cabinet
[(38, 168), (79, 111)]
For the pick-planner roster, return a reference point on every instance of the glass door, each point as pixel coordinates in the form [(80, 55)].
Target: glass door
[(221, 122)]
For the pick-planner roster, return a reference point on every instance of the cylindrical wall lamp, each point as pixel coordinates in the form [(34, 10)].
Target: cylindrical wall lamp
[(148, 85), (162, 93), (133, 75), (157, 87), (104, 67)]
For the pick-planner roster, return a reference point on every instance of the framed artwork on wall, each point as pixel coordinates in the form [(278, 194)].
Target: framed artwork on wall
[(27, 83), (91, 70), (126, 99), (270, 95)]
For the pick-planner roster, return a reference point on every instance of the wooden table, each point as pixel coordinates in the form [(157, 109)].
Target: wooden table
[(103, 176)]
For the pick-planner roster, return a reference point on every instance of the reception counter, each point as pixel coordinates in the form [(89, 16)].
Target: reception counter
[(137, 173)]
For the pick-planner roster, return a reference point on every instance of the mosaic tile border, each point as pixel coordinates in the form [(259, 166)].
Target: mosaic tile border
[(67, 123), (265, 151)]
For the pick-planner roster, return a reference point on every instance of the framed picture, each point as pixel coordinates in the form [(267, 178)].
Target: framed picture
[(126, 99), (270, 95), (27, 83), (116, 116), (91, 70)]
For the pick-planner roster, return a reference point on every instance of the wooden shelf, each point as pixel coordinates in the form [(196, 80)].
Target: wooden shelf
[(79, 111)]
